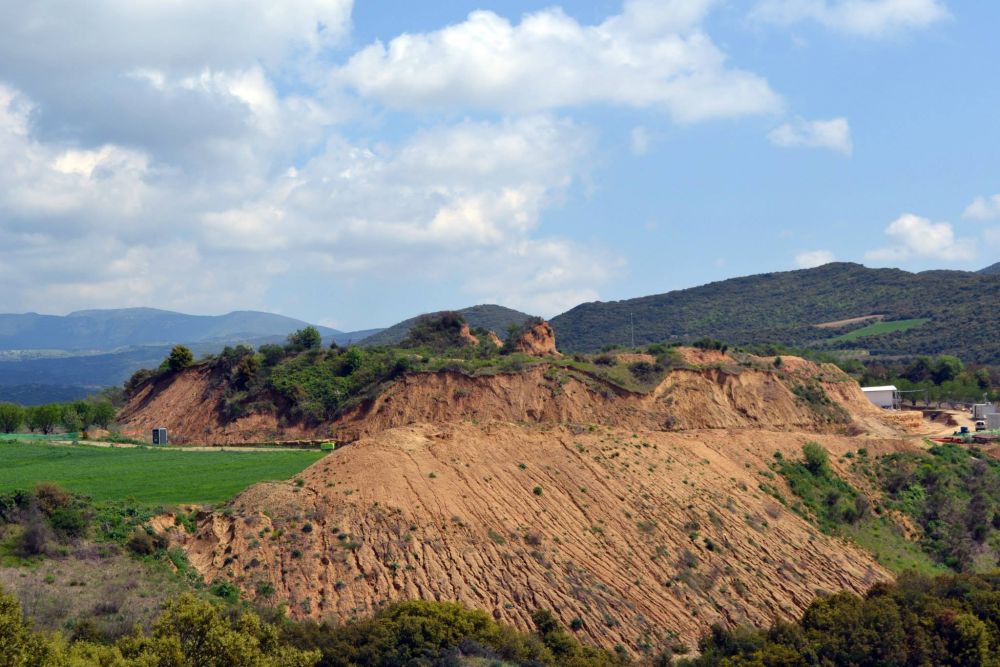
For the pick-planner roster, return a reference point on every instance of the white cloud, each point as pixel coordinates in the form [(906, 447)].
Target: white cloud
[(652, 55), (865, 18), (639, 141), (447, 202), (914, 237), (812, 258), (983, 208), (833, 134)]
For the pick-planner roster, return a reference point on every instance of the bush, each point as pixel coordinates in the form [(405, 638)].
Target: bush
[(644, 372), (180, 357), (141, 542)]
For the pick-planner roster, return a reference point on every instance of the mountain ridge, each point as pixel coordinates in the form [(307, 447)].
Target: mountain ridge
[(785, 307)]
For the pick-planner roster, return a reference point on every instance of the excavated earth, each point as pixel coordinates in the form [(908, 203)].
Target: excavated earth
[(641, 515)]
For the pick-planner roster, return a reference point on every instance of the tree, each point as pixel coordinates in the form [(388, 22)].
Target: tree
[(305, 339), (44, 418), (947, 368), (103, 414), (817, 460), (85, 411), (180, 358), (11, 417), (71, 420)]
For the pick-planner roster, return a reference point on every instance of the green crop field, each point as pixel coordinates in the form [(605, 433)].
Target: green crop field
[(150, 476), (879, 328)]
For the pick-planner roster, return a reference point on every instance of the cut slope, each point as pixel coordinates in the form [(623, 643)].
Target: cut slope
[(637, 534), (724, 395)]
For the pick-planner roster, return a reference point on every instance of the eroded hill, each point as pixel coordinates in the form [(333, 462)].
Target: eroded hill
[(637, 515)]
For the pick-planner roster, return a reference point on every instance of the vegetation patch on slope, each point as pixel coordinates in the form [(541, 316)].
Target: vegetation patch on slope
[(949, 495), (879, 328)]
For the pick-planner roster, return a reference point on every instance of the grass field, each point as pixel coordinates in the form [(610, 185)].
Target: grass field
[(150, 476), (879, 328)]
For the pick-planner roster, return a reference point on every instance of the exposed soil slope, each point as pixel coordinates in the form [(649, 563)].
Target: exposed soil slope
[(636, 534), (721, 395), (639, 514)]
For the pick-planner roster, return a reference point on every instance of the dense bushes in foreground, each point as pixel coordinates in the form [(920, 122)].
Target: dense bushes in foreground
[(194, 633), (950, 620)]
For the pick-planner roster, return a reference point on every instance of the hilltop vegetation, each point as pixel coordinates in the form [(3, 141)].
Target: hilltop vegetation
[(488, 317), (305, 382), (785, 307)]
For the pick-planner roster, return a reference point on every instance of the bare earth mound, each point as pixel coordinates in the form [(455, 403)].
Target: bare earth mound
[(641, 515)]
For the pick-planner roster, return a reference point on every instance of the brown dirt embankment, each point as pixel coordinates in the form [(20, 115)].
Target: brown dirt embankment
[(637, 534), (723, 395)]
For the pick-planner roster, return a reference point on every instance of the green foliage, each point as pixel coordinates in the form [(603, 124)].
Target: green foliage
[(145, 474), (44, 418), (825, 497), (785, 307), (423, 632), (438, 332), (816, 398), (953, 494), (102, 414), (947, 621), (11, 417), (180, 357), (307, 338), (188, 633)]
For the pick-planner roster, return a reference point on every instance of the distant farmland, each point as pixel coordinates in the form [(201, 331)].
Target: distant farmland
[(879, 328), (150, 476)]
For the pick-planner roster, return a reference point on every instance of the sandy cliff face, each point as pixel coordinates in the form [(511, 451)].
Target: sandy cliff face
[(718, 396), (641, 515)]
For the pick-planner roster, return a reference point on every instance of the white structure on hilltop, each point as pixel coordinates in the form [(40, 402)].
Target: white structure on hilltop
[(884, 397)]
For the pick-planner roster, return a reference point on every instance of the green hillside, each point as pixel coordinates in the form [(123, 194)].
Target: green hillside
[(486, 316), (959, 307)]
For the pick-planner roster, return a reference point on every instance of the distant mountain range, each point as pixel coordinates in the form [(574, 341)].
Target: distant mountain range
[(128, 327), (885, 312), (50, 357), (894, 313)]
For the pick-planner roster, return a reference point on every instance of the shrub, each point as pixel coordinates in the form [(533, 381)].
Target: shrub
[(180, 357), (537, 491), (644, 372), (141, 543)]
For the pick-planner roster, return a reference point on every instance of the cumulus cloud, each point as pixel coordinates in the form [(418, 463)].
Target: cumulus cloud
[(914, 237), (865, 18), (812, 258), (833, 134), (439, 202), (653, 54), (983, 208)]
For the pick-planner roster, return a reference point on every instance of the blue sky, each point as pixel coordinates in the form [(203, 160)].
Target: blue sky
[(356, 163)]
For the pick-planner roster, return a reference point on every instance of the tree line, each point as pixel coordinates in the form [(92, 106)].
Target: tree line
[(71, 417)]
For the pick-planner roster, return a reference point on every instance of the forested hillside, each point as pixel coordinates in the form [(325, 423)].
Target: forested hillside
[(959, 309)]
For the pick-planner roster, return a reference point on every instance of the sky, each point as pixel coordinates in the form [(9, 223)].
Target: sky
[(356, 163)]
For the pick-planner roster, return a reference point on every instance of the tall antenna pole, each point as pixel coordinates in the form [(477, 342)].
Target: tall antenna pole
[(631, 323)]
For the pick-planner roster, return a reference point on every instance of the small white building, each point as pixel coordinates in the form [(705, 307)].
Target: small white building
[(884, 397)]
